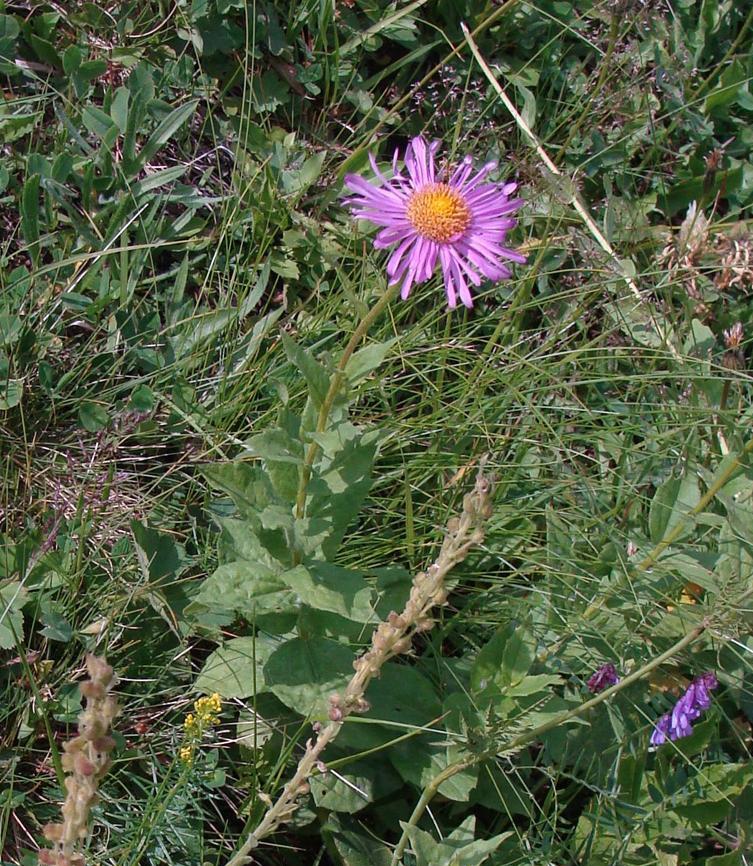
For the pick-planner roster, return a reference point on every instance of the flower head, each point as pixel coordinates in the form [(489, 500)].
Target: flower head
[(207, 714), (603, 678), (690, 707), (457, 221)]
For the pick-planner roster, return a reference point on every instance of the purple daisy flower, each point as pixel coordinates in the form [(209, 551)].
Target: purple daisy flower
[(603, 678), (690, 707), (458, 221)]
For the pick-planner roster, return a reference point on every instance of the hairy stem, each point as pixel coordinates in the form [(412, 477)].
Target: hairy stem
[(334, 387)]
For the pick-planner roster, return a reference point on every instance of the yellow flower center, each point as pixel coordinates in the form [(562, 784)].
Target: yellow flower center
[(438, 212)]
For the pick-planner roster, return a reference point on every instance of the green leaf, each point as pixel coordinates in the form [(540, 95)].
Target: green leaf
[(341, 481), (671, 504), (72, 59), (312, 371), (297, 182), (473, 854), (201, 328), (11, 392), (92, 416), (18, 125), (12, 599), (157, 179), (10, 329), (236, 669), (421, 758), (56, 626), (401, 699), (504, 661), (303, 673), (423, 845), (355, 786), (247, 544), (725, 92), (366, 360), (329, 587), (245, 483), (100, 123), (246, 588), (282, 455), (30, 214), (159, 555), (353, 845), (166, 129)]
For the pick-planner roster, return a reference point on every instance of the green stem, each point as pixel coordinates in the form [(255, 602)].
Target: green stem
[(529, 736), (334, 388)]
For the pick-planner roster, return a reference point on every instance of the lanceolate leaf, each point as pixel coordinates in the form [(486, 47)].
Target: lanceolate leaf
[(166, 130)]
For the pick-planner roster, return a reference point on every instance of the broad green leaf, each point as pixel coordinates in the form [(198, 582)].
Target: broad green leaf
[(247, 545), (283, 456), (423, 845), (504, 661), (325, 586), (341, 481), (245, 483), (11, 392), (733, 79), (56, 626), (461, 849), (10, 329), (354, 845), (533, 685), (420, 759), (355, 786), (253, 728), (9, 28), (236, 669), (298, 181), (402, 699), (92, 416), (303, 673), (247, 588), (160, 556), (100, 123)]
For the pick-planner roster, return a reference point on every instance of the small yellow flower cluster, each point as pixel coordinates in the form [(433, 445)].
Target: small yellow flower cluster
[(206, 714)]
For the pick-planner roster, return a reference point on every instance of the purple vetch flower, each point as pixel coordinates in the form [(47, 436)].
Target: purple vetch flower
[(603, 678), (458, 221), (691, 705)]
